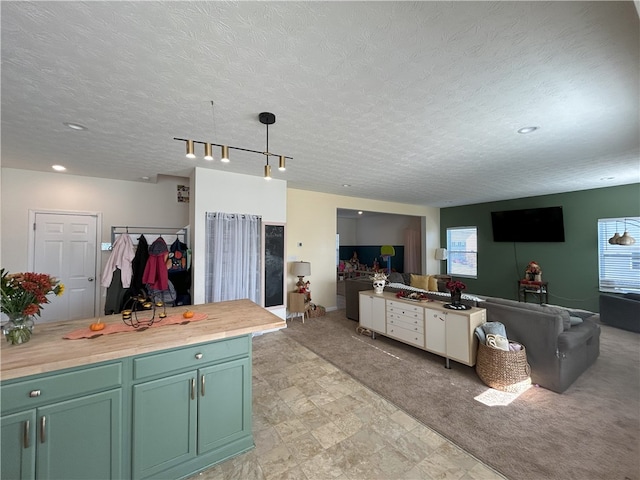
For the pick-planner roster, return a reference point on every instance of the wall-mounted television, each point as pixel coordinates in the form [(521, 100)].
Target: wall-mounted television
[(528, 225)]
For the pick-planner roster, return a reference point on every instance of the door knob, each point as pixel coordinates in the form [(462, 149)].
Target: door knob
[(90, 279)]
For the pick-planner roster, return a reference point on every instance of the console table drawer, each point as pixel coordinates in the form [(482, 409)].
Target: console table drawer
[(413, 325), (414, 311), (407, 336)]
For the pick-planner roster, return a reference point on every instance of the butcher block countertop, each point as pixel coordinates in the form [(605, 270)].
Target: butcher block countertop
[(48, 351)]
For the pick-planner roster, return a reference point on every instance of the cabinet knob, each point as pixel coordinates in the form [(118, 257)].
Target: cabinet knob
[(199, 356)]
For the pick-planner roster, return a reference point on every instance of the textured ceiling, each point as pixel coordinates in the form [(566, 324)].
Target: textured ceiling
[(413, 102)]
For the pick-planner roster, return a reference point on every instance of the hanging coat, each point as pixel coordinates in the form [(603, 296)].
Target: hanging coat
[(121, 256), (139, 263), (155, 272)]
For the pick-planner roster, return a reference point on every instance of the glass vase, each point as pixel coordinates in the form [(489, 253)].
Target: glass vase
[(18, 329), (456, 297)]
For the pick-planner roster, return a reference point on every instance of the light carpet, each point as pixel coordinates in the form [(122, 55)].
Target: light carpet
[(590, 432)]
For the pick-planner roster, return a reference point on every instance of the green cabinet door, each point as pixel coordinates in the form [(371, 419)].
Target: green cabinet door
[(80, 438), (164, 423), (224, 409), (18, 447)]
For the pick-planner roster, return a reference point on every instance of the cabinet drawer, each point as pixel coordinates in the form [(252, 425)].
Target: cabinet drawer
[(403, 322), (56, 386), (412, 311), (407, 336), (189, 357)]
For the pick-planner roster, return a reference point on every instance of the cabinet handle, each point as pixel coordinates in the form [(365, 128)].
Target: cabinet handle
[(34, 393), (199, 356), (193, 389), (43, 425), (202, 385), (25, 440)]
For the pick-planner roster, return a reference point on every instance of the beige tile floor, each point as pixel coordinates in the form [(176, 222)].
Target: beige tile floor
[(311, 421)]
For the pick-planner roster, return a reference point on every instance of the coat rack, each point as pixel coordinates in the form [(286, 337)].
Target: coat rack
[(168, 233)]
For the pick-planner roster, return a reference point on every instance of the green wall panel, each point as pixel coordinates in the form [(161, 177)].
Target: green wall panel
[(570, 267)]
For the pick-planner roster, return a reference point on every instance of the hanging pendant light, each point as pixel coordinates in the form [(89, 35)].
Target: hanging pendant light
[(614, 240), (282, 166), (190, 153), (225, 154), (207, 152), (626, 239), (267, 172)]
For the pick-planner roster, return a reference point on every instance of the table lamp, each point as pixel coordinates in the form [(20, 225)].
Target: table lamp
[(300, 270)]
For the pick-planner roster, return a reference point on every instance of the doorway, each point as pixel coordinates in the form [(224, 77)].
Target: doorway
[(64, 245)]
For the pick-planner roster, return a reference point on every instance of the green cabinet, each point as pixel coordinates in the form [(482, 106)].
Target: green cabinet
[(18, 447), (186, 421), (223, 416), (165, 414), (74, 438)]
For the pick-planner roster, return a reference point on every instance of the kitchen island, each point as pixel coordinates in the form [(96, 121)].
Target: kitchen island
[(167, 401)]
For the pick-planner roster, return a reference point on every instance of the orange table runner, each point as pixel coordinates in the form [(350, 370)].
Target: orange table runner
[(121, 327)]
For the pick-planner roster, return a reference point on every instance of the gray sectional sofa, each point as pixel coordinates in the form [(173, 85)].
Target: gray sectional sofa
[(621, 311), (561, 343)]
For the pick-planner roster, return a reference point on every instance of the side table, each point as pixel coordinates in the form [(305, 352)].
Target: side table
[(540, 289), (299, 303)]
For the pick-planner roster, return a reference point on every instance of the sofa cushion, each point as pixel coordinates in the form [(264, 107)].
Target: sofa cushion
[(575, 320), (424, 282), (395, 277), (420, 281), (632, 296), (534, 307)]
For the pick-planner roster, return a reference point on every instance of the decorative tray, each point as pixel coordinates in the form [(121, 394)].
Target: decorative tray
[(413, 296)]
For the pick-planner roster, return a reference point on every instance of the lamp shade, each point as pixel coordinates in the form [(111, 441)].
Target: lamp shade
[(301, 269), (441, 253)]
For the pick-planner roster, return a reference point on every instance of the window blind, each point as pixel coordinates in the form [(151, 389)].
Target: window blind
[(462, 251), (618, 265)]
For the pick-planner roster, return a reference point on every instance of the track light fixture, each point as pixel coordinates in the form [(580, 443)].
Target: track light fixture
[(266, 118)]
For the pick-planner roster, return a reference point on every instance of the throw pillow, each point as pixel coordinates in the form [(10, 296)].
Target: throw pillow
[(420, 281), (433, 284), (575, 321), (395, 277)]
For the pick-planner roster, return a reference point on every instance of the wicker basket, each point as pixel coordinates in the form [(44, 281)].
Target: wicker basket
[(503, 370)]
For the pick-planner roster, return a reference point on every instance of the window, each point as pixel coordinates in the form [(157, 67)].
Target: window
[(462, 251), (618, 265)]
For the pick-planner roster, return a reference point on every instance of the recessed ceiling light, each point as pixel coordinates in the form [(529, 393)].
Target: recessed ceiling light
[(346, 185), (525, 130), (76, 126), (146, 179), (360, 212), (58, 168), (607, 178)]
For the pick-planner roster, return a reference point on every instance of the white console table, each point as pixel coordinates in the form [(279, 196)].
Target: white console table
[(426, 325)]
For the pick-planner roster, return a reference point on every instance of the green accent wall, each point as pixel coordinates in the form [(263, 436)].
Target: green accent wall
[(570, 267)]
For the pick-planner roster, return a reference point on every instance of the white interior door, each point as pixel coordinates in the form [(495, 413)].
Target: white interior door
[(65, 247)]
